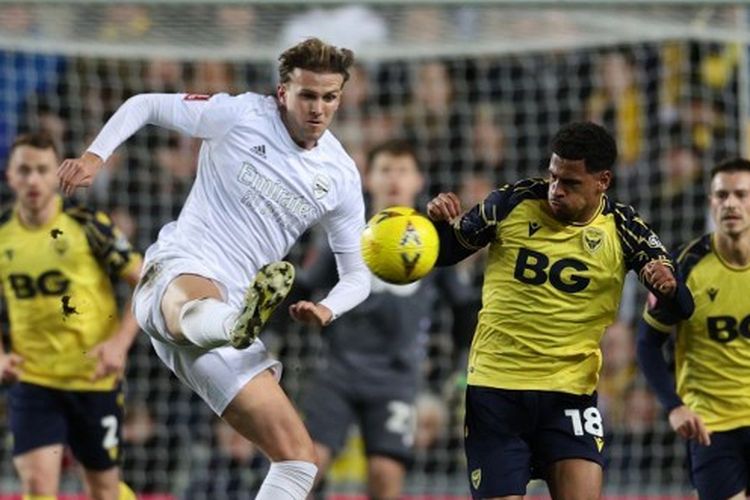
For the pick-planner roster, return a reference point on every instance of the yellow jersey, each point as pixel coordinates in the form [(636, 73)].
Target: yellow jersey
[(712, 347), (56, 280), (550, 288)]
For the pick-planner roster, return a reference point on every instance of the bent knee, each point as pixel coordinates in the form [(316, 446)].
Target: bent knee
[(38, 483), (299, 448)]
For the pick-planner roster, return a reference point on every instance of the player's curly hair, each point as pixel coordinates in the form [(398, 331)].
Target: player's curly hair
[(317, 56), (731, 165), (586, 141)]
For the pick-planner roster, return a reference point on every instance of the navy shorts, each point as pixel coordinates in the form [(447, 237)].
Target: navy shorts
[(723, 469), (513, 436), (386, 418), (87, 421)]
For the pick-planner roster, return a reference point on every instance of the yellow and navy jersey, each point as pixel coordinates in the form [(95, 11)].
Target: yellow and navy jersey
[(57, 283), (712, 347), (550, 288)]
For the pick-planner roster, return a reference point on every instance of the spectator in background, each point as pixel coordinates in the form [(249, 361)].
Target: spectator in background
[(487, 141), (125, 23), (432, 421), (236, 25), (433, 122), (618, 103), (423, 25), (212, 77), (26, 75), (163, 75)]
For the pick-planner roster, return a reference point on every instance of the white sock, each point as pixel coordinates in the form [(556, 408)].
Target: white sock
[(288, 480), (206, 322)]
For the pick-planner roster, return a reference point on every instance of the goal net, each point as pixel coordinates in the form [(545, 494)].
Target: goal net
[(478, 87)]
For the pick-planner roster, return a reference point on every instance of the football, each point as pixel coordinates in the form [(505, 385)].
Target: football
[(400, 245)]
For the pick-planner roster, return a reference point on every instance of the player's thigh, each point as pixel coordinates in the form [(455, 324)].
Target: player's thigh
[(39, 469), (328, 413), (569, 428), (217, 375), (167, 283), (103, 484), (387, 423), (575, 479), (720, 471), (37, 417), (498, 454), (262, 413), (95, 427)]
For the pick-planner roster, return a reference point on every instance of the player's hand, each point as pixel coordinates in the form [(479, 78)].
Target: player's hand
[(110, 355), (10, 367), (660, 278), (78, 172), (689, 425), (445, 206), (310, 313)]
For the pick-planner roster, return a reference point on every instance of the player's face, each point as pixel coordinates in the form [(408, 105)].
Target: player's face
[(309, 100), (31, 176), (575, 193), (730, 202), (393, 180)]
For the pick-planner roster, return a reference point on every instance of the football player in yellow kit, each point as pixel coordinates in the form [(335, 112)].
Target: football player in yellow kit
[(559, 250), (57, 263), (710, 402)]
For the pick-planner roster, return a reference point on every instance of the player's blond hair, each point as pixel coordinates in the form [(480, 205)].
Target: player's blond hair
[(317, 56)]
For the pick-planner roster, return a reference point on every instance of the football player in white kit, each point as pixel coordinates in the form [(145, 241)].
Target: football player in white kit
[(268, 170)]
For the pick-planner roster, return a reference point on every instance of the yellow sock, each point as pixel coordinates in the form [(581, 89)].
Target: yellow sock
[(125, 492), (28, 496)]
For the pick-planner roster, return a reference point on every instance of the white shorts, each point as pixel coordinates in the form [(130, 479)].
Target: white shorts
[(216, 375)]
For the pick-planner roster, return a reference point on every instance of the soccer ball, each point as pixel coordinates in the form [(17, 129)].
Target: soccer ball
[(400, 245)]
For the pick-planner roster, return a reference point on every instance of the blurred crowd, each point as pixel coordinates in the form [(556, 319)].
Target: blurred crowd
[(475, 123)]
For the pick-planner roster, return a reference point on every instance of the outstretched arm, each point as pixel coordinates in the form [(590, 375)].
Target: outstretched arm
[(205, 118), (462, 235), (352, 288)]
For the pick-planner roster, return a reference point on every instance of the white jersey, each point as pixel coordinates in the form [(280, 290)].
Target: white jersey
[(256, 190)]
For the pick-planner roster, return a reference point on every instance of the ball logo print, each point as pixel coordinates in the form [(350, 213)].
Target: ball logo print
[(399, 245)]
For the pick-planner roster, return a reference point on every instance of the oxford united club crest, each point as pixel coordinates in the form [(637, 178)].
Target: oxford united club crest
[(593, 239), (476, 478)]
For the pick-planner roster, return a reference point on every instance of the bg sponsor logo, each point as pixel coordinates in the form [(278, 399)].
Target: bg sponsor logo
[(535, 268)]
